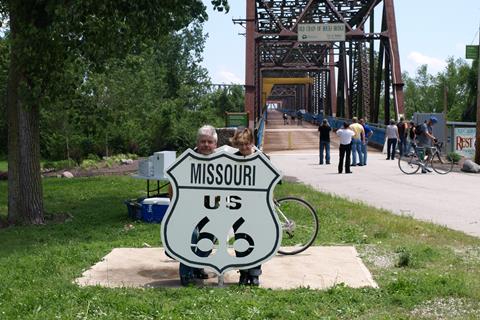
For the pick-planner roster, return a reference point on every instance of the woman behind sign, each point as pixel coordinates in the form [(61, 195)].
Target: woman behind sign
[(243, 141)]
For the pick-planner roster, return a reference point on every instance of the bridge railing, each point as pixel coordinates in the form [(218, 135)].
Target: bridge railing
[(376, 140), (260, 130)]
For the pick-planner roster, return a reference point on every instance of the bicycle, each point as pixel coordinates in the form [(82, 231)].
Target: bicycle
[(413, 161), (299, 223)]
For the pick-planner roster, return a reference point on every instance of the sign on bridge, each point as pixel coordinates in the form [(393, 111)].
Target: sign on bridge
[(321, 32)]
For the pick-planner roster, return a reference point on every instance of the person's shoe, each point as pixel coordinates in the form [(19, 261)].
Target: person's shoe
[(428, 169), (353, 165), (328, 162), (320, 163), (348, 171), (201, 274), (243, 281), (186, 280), (254, 281)]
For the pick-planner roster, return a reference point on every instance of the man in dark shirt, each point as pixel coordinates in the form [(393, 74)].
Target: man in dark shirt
[(324, 130), (402, 134)]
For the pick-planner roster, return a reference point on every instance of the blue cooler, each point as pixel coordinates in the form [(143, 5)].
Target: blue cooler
[(153, 209)]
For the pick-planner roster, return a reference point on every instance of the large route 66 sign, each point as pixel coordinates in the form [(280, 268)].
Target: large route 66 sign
[(222, 201)]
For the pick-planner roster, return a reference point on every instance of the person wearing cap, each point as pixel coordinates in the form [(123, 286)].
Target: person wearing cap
[(426, 138)]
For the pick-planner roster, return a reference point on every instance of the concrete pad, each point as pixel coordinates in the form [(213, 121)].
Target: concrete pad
[(316, 268)]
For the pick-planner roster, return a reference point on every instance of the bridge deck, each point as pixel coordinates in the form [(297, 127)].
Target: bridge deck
[(291, 136)]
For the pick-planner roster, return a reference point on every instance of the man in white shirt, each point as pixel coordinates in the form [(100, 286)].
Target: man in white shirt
[(345, 134)]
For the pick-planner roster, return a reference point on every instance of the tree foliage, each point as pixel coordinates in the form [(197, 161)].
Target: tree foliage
[(456, 83), (55, 49)]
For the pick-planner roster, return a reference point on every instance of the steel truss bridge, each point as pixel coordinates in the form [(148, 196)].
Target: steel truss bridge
[(360, 76)]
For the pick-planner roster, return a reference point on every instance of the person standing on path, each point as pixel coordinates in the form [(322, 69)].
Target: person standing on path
[(411, 136), (368, 133), (402, 133), (425, 138), (345, 134), (392, 137), (357, 141), (324, 130)]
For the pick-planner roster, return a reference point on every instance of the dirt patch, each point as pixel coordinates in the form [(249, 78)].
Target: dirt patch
[(101, 170)]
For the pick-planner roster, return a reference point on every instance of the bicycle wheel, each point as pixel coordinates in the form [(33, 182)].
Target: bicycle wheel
[(299, 224), (441, 164), (409, 164)]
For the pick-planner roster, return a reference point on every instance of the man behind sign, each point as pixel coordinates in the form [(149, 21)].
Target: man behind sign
[(206, 144)]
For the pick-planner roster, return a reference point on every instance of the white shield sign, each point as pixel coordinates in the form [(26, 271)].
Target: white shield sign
[(221, 201)]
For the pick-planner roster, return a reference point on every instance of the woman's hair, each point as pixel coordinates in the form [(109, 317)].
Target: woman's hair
[(207, 130), (242, 136), (325, 122), (392, 121), (345, 124)]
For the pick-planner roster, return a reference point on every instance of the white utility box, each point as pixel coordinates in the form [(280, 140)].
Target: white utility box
[(155, 166), (145, 168), (161, 161)]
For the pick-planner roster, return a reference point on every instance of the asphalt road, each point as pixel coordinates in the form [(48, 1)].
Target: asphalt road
[(451, 200)]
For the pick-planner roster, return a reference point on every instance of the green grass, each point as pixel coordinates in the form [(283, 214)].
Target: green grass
[(3, 164), (424, 271)]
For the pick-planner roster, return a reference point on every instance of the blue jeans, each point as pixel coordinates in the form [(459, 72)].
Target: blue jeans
[(184, 270), (325, 145), (402, 146), (356, 149), (364, 152)]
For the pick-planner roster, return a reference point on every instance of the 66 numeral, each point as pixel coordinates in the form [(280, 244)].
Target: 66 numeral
[(210, 237)]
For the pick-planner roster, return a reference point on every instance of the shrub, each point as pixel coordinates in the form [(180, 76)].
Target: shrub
[(454, 156)]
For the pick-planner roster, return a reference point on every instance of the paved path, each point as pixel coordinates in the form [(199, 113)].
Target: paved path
[(452, 200)]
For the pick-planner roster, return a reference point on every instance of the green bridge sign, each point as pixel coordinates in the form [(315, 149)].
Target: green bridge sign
[(471, 52)]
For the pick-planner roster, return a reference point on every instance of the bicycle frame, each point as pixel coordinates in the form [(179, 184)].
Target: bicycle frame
[(429, 159)]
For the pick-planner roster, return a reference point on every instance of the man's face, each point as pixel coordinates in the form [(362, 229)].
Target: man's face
[(206, 145)]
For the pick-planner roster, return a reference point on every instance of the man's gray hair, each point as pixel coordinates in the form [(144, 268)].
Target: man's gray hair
[(207, 130)]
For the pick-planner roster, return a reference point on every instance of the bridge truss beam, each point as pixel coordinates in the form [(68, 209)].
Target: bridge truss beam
[(351, 78)]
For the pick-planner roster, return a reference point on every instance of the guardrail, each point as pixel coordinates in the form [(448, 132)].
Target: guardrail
[(260, 130), (376, 140)]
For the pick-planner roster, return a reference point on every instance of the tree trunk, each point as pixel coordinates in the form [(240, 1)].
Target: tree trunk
[(25, 196)]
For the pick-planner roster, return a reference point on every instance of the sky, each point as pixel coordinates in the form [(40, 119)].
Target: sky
[(429, 32)]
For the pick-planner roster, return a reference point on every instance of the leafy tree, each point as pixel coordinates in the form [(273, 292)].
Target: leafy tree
[(46, 37), (4, 61), (426, 92), (470, 113)]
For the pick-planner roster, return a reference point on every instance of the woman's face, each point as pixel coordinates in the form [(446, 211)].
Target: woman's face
[(245, 148)]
